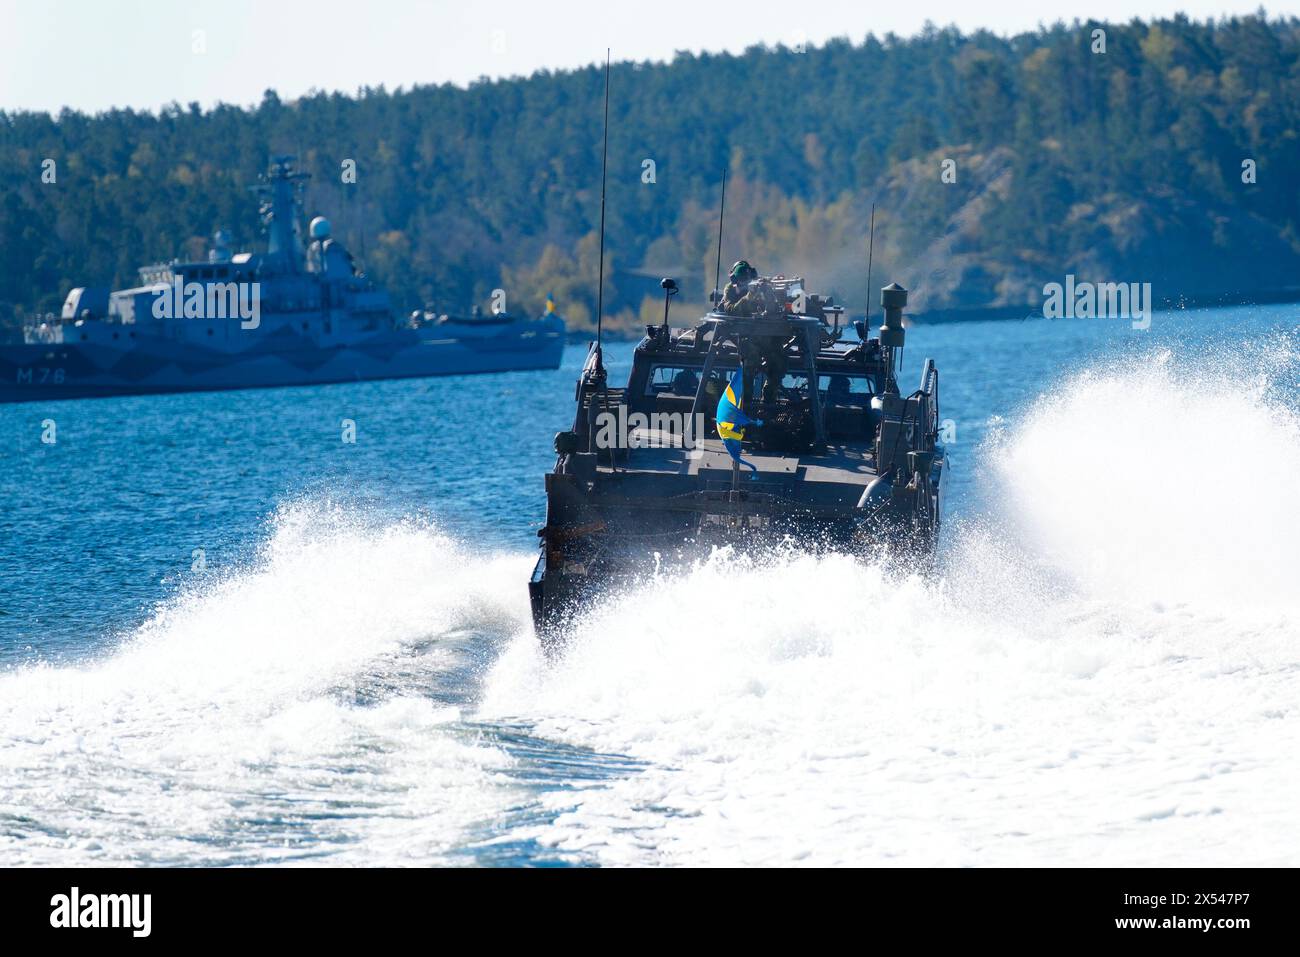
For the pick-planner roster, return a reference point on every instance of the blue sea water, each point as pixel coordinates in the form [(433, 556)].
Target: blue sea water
[(227, 635)]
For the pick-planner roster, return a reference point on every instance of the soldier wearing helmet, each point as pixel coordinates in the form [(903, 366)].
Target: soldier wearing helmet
[(745, 294)]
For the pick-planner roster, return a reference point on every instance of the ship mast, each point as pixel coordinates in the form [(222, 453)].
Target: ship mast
[(280, 190)]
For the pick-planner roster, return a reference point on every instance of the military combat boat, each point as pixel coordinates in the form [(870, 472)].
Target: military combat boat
[(285, 316), (657, 471)]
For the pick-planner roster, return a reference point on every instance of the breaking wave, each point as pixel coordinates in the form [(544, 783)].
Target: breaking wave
[(281, 714)]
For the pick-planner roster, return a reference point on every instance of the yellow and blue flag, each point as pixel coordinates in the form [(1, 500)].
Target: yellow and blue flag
[(550, 304), (732, 419)]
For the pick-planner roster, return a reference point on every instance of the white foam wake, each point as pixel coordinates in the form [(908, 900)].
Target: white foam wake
[(1105, 673), (282, 713)]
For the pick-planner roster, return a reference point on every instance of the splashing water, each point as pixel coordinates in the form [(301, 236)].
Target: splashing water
[(1163, 483), (280, 714), (1105, 672)]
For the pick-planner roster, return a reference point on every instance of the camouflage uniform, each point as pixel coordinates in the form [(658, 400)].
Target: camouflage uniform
[(755, 299), (746, 299)]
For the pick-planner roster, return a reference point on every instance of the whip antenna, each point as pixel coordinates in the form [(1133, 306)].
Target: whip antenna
[(871, 247), (604, 162), (717, 270)]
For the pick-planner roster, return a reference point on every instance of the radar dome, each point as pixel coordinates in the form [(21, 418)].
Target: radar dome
[(320, 228)]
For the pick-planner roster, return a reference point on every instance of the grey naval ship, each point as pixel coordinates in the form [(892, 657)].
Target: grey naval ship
[(742, 430), (286, 316)]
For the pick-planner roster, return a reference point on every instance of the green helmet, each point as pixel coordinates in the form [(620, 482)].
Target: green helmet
[(742, 270)]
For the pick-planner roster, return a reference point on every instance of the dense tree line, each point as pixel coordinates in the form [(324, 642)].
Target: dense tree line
[(1128, 164)]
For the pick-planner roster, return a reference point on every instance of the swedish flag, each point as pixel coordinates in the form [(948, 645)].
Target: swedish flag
[(550, 304), (732, 419)]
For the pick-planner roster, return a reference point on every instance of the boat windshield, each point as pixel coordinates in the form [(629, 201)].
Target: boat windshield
[(678, 380), (836, 388)]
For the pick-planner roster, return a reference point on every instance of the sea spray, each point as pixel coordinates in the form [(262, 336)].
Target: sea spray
[(296, 710), (1035, 705), (1028, 704)]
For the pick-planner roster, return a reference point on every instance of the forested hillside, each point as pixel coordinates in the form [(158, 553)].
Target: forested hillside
[(1122, 165)]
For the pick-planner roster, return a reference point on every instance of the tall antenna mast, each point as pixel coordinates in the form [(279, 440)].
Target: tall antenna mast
[(871, 248), (604, 162), (717, 271)]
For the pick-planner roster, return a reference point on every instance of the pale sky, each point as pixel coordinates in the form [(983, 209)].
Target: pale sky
[(96, 54)]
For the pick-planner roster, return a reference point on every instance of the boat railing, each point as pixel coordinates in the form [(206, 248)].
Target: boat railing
[(49, 332)]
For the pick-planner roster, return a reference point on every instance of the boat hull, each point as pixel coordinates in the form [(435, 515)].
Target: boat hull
[(42, 372), (591, 549)]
